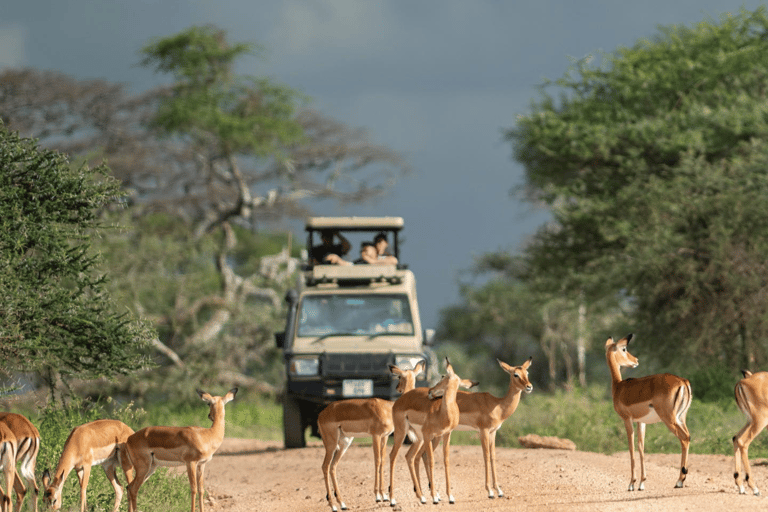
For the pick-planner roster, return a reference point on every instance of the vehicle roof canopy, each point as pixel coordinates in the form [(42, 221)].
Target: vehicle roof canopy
[(355, 223)]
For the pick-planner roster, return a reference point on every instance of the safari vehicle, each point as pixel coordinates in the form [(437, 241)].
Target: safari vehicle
[(346, 324)]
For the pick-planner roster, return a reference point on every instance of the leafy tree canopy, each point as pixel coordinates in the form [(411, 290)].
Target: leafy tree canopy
[(653, 161), (56, 316)]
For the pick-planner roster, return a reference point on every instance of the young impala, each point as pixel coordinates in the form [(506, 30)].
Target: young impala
[(340, 422), (427, 418), (486, 413), (27, 447), (662, 397), (192, 447), (752, 398), (94, 443)]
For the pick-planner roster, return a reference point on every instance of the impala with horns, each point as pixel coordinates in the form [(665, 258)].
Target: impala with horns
[(342, 421), (192, 447), (651, 399), (752, 398), (94, 443), (27, 447), (423, 418)]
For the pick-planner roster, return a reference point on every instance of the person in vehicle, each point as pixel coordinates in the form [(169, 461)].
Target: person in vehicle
[(321, 252), (381, 243), (368, 256)]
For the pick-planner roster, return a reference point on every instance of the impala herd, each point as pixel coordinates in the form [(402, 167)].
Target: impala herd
[(426, 416)]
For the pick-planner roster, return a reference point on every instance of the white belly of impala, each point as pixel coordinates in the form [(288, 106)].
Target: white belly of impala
[(651, 417)]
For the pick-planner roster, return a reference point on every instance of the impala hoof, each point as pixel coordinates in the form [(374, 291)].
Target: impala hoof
[(500, 493), (679, 484), (451, 500)]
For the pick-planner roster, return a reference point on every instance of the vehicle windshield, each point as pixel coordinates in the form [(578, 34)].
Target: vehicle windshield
[(359, 315)]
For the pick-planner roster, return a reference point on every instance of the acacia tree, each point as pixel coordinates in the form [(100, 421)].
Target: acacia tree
[(653, 164), (57, 318), (204, 161)]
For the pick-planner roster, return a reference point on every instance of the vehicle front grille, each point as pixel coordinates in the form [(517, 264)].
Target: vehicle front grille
[(352, 365)]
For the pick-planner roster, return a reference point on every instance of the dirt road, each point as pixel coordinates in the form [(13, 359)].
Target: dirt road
[(256, 476)]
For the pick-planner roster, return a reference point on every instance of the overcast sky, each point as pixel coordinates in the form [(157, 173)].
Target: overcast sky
[(437, 80)]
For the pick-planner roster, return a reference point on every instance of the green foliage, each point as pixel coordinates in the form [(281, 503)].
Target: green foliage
[(240, 113), (653, 163), (159, 271), (712, 383), (57, 314)]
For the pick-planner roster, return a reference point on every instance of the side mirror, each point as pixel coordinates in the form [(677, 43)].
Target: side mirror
[(280, 339), (429, 337)]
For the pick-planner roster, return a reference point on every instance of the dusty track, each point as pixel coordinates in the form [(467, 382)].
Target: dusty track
[(256, 476)]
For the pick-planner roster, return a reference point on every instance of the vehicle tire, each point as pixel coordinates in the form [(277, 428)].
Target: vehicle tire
[(293, 426)]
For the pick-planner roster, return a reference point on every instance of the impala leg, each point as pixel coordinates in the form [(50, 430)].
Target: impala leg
[(110, 469), (631, 441), (681, 431), (430, 470), (485, 443), (416, 449), (84, 476), (344, 443), (434, 443), (738, 455), (329, 453), (9, 473), (492, 443), (201, 483), (30, 447), (741, 444), (379, 449), (398, 442), (192, 475), (641, 452), (446, 462)]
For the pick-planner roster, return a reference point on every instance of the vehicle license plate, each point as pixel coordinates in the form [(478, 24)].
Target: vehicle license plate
[(360, 387)]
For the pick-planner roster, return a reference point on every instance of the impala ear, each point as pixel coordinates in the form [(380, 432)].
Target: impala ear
[(746, 373), (230, 396), (609, 342), (419, 368), (629, 337), (527, 363), (395, 370), (467, 384)]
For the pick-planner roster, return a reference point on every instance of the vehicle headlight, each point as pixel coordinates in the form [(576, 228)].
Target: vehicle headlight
[(304, 366), (407, 362)]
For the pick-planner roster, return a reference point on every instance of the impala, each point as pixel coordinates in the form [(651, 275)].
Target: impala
[(27, 448), (151, 447), (752, 398), (426, 418), (340, 422), (94, 443), (8, 465), (662, 397), (486, 413)]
